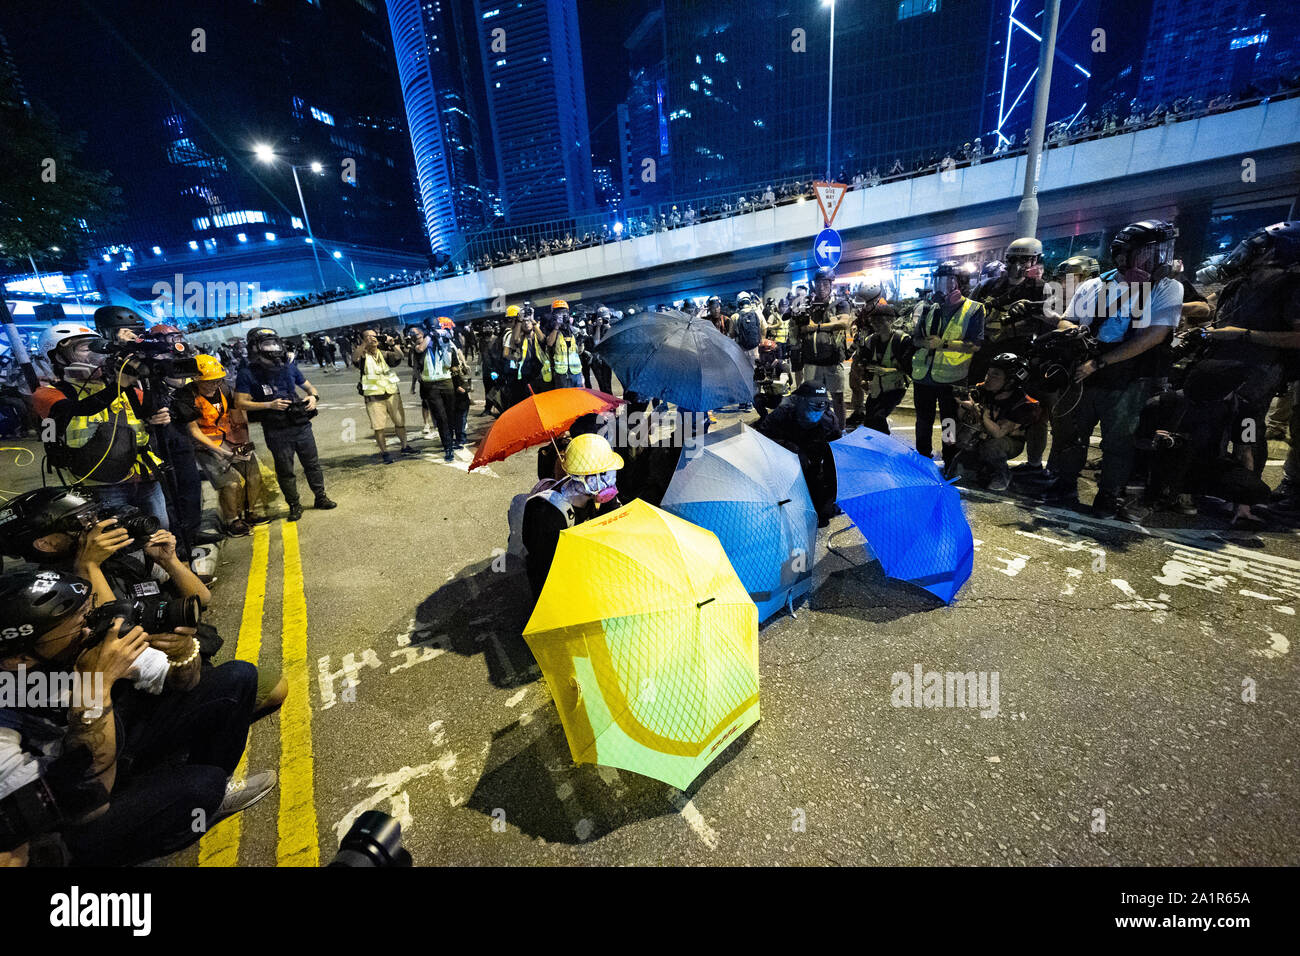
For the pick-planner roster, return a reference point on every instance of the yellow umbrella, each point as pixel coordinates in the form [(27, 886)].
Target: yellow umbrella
[(649, 643)]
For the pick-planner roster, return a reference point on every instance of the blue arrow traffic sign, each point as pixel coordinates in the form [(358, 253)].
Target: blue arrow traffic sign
[(826, 248)]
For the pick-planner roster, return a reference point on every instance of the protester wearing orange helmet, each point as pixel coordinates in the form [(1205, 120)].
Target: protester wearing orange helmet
[(206, 408)]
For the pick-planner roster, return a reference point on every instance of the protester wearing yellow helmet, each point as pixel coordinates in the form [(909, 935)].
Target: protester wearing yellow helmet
[(589, 486), (206, 407)]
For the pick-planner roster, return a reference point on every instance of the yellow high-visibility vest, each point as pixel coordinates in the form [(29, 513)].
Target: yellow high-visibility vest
[(82, 428), (566, 359), (378, 378), (945, 366)]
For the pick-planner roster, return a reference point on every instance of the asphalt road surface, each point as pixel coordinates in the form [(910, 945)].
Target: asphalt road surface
[(1145, 708)]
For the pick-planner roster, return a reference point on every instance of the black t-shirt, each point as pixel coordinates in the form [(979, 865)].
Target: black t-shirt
[(998, 295), (784, 428), (1015, 407)]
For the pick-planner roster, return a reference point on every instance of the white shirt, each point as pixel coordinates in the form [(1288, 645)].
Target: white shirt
[(1123, 307)]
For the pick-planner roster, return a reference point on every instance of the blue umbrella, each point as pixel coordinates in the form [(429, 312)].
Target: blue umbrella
[(680, 359), (751, 493), (910, 516)]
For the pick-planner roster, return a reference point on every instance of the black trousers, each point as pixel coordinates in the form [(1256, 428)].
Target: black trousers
[(440, 399), (925, 397), (285, 442), (154, 807), (187, 506)]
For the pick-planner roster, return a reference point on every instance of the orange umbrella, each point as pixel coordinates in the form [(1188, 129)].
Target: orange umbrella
[(539, 419)]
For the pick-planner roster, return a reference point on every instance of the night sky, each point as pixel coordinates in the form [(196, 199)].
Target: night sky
[(605, 25)]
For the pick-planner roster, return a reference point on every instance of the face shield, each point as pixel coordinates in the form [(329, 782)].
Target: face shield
[(1144, 262), (946, 287)]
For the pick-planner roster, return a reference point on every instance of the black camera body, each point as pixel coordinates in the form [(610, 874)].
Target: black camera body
[(1055, 356), (160, 359)]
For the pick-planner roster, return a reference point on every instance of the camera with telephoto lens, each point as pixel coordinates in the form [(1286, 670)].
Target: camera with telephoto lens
[(1055, 356), (157, 615), (375, 840), (137, 524)]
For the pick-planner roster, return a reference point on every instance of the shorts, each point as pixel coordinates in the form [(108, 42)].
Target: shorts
[(835, 377), (219, 471), (386, 411)]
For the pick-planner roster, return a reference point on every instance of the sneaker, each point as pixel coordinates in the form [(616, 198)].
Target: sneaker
[(449, 455), (1000, 483), (295, 512), (238, 528), (324, 504), (250, 518), (1061, 493), (203, 562), (427, 432), (388, 459), (1027, 468), (242, 794)]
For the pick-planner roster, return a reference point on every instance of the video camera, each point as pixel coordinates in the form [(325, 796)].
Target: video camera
[(153, 359), (1055, 356)]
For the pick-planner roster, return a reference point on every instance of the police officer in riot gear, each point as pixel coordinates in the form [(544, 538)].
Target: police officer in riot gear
[(1257, 327), (1132, 310)]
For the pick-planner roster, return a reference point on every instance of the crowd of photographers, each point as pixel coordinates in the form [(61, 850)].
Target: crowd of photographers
[(119, 740)]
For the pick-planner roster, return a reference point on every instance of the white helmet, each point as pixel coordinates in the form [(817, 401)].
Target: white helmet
[(56, 335)]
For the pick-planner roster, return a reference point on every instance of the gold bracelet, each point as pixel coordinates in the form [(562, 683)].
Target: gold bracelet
[(193, 654)]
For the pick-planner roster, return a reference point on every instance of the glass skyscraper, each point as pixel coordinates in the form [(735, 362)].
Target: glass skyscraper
[(532, 68), (434, 52)]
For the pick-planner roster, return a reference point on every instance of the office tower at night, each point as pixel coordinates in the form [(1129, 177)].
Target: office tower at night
[(434, 62), (175, 115), (746, 107), (537, 106), (643, 116)]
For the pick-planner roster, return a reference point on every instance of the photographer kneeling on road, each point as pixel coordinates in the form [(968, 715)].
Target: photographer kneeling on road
[(221, 444), (101, 438), (94, 761), (64, 531), (266, 388), (1003, 413)]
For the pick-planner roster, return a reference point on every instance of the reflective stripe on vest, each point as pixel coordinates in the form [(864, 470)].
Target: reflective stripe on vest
[(568, 361), (378, 379), (82, 428), (944, 366)]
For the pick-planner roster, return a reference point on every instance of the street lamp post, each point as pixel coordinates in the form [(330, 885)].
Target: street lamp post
[(1027, 214), (830, 89), (265, 154), (307, 220)]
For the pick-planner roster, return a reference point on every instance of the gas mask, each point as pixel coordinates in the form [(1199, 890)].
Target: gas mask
[(91, 367), (603, 488)]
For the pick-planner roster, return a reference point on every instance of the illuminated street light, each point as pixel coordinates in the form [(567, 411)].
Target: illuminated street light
[(264, 153)]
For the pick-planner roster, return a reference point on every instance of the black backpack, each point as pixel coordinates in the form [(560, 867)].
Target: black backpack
[(748, 333)]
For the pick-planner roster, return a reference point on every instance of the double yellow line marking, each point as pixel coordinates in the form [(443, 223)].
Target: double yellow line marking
[(298, 837)]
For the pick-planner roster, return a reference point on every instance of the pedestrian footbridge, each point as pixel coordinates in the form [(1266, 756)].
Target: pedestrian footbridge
[(1185, 170)]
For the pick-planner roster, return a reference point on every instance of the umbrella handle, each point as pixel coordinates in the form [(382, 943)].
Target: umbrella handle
[(785, 501), (704, 602)]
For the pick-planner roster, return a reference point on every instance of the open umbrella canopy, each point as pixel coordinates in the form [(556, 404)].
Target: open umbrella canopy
[(679, 358), (538, 419), (648, 642), (912, 519), (751, 493)]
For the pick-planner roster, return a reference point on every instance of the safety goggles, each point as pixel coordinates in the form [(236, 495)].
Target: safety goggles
[(595, 484)]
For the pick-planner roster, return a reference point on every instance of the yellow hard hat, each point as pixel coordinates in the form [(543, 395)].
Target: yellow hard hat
[(559, 304), (590, 455), (512, 312), (210, 368)]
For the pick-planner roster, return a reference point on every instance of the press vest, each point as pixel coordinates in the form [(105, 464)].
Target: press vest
[(378, 378), (82, 428), (892, 380), (944, 366), (565, 358)]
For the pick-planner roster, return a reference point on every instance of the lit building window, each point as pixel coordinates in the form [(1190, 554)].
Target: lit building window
[(194, 246), (914, 8)]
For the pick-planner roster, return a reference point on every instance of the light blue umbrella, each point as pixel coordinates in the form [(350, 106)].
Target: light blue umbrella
[(751, 493), (911, 517), (678, 358)]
